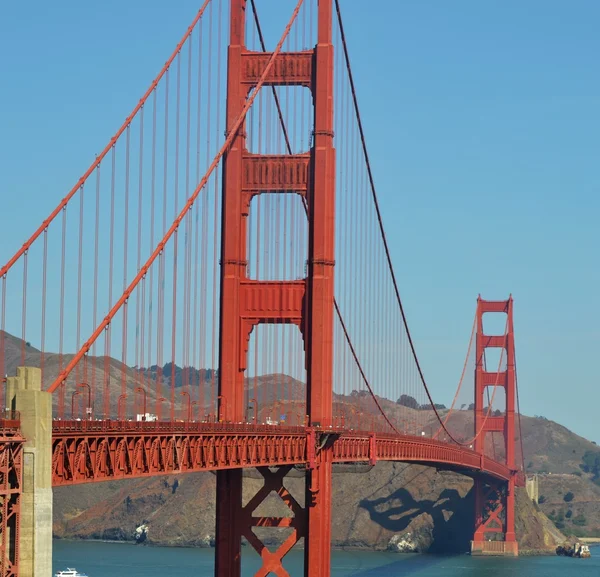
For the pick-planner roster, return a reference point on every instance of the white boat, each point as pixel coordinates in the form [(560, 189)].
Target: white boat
[(69, 572)]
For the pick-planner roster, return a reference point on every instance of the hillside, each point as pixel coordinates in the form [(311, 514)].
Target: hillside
[(370, 504), (555, 454), (579, 516), (106, 372), (97, 371), (369, 507)]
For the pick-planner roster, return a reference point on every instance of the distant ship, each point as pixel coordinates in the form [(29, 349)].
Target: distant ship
[(68, 572)]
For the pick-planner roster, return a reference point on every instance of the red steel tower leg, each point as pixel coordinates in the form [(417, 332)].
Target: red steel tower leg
[(319, 330), (11, 478), (307, 303), (233, 238), (495, 502)]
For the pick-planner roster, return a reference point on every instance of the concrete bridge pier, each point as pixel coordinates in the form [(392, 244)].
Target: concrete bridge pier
[(24, 394), (533, 488)]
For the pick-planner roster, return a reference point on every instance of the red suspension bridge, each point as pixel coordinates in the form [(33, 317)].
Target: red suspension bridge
[(216, 292)]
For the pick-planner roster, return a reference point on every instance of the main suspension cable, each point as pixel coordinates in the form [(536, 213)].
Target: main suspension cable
[(63, 203), (381, 228), (232, 133)]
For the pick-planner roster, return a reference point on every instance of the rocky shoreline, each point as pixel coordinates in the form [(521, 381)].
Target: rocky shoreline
[(418, 536), (373, 511), (349, 548)]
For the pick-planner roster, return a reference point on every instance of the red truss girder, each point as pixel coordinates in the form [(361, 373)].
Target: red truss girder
[(494, 517), (11, 475), (266, 301), (275, 173), (92, 456), (368, 447), (272, 561), (307, 303), (491, 515), (289, 68)]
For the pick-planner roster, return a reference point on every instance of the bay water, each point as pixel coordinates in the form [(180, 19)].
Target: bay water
[(98, 559)]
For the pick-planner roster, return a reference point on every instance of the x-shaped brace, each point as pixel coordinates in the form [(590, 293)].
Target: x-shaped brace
[(272, 561)]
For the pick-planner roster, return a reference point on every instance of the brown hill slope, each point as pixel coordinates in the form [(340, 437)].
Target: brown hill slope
[(368, 508), (96, 371), (547, 446), (576, 514)]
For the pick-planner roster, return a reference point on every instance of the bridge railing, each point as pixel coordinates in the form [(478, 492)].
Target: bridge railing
[(468, 456), (114, 426), (9, 420), (352, 444), (207, 425), (495, 466)]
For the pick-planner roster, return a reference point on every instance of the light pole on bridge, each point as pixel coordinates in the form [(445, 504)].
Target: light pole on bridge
[(189, 406), (75, 394), (222, 410), (88, 410), (142, 391), (255, 407), (120, 409), (159, 401)]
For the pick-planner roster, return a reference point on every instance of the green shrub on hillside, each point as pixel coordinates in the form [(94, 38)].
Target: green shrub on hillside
[(591, 463), (580, 520)]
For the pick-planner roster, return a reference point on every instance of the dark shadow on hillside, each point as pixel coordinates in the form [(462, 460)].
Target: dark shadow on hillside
[(450, 536)]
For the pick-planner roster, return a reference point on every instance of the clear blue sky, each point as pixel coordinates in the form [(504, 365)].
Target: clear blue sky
[(482, 121)]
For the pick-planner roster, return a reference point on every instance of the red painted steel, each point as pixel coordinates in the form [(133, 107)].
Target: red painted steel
[(494, 503), (273, 482), (233, 265), (11, 478), (267, 173), (290, 68), (63, 203), (235, 124), (307, 303), (10, 421), (92, 451), (245, 303), (92, 457), (318, 331)]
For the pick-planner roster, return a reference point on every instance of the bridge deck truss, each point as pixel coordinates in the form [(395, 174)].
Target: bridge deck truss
[(84, 453)]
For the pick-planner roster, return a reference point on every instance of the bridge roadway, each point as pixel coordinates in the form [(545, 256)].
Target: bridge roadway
[(93, 451)]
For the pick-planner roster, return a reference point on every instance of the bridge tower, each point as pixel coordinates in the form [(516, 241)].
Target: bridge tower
[(494, 501), (307, 303)]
